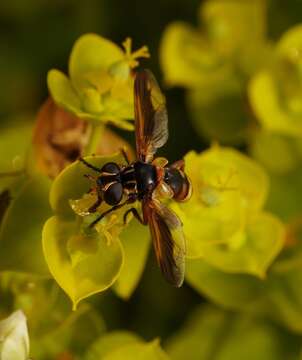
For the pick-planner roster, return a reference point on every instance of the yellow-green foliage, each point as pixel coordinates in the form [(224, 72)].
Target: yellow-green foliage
[(100, 87), (237, 239), (240, 69)]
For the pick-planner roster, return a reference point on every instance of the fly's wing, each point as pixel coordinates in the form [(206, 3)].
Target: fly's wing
[(168, 241), (151, 119)]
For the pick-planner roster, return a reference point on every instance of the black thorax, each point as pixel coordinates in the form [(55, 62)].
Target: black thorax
[(139, 176)]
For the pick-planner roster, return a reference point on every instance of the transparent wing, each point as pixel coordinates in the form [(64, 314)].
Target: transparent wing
[(151, 119), (168, 241)]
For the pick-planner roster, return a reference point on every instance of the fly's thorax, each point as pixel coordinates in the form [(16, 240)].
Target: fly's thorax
[(179, 183), (128, 178), (145, 176), (110, 173)]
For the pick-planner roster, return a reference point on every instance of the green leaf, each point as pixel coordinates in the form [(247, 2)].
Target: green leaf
[(277, 297), (228, 188), (203, 324), (82, 264), (124, 345), (278, 153), (63, 92), (135, 239), (195, 63), (244, 175), (70, 201), (234, 291), (265, 102), (275, 93), (229, 45), (125, 125), (92, 55), (285, 196), (251, 250), (20, 232), (73, 331), (144, 351), (284, 299), (211, 205), (237, 32), (229, 126), (290, 43), (227, 336), (101, 83), (110, 342), (235, 27), (14, 143), (89, 104)]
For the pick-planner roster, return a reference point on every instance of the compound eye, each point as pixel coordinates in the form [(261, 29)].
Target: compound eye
[(111, 168), (113, 195)]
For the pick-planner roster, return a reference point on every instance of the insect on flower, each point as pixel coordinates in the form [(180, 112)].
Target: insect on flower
[(149, 179)]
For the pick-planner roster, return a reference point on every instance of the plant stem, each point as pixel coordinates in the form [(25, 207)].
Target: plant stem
[(11, 173), (96, 133)]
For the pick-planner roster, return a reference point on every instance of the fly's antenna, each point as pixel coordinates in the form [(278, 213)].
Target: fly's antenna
[(90, 166)]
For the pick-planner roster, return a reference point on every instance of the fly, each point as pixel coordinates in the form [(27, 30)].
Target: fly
[(149, 179)]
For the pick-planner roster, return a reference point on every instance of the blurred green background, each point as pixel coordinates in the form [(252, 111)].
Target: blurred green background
[(37, 35)]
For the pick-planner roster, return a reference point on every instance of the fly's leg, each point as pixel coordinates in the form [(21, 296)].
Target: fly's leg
[(125, 155), (131, 199), (93, 208), (99, 218), (135, 214)]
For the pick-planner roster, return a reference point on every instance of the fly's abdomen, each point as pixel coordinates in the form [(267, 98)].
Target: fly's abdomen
[(179, 183)]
